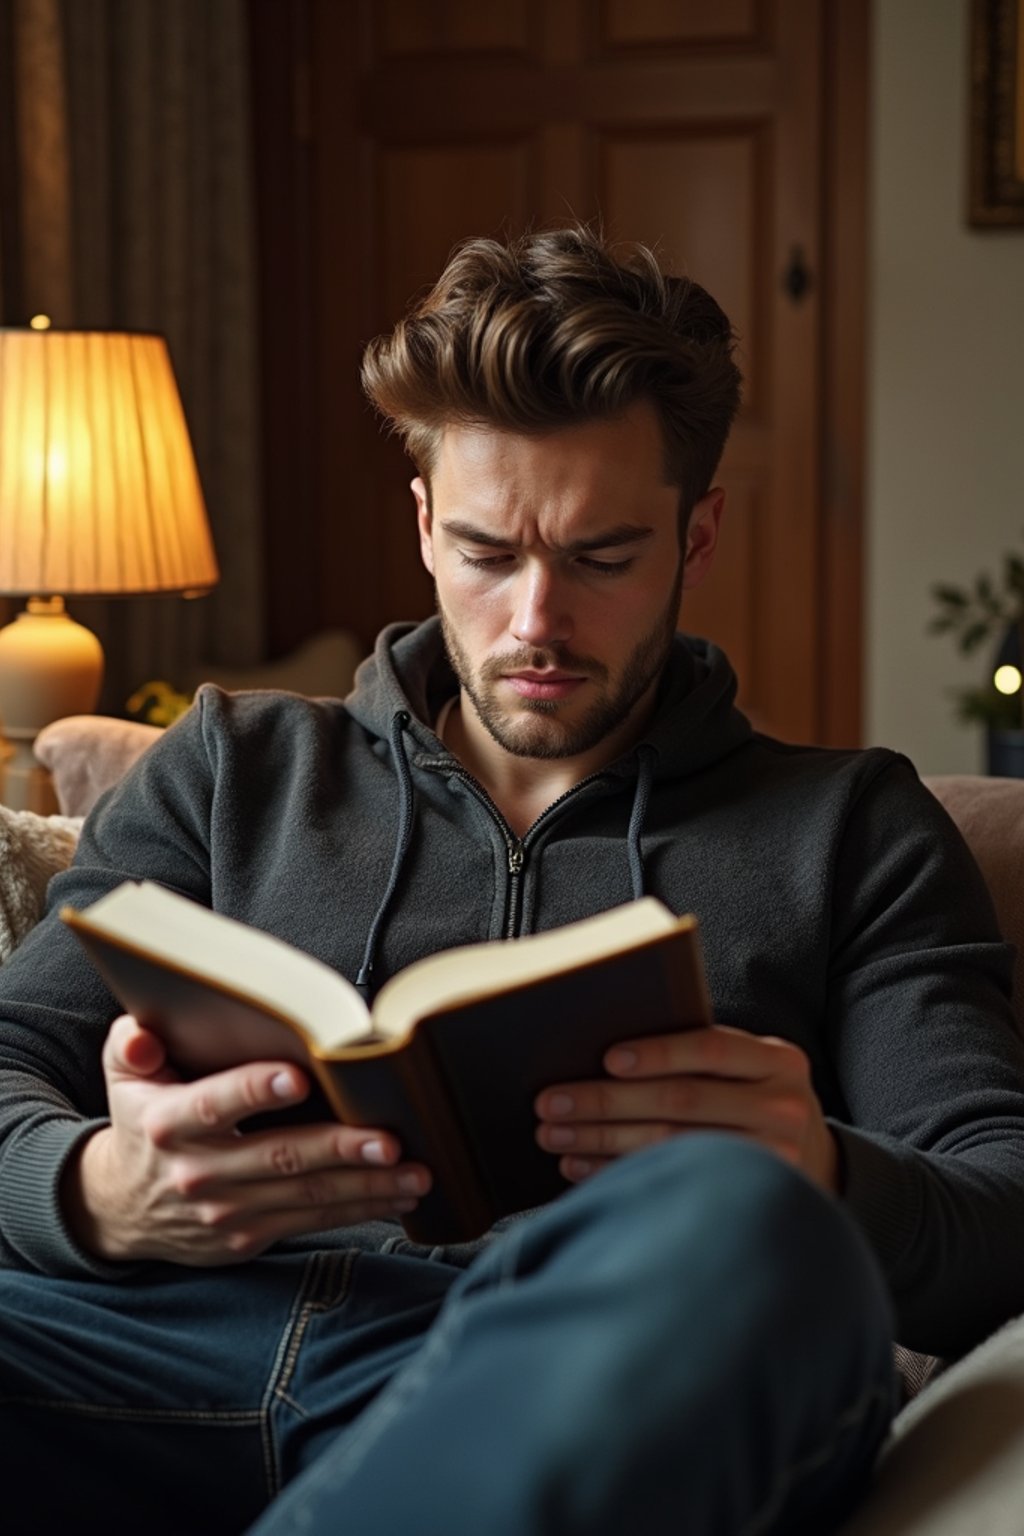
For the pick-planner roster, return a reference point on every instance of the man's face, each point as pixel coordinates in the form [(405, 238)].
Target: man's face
[(558, 571)]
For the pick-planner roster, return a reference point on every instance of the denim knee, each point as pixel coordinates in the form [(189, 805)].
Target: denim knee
[(697, 1334), (725, 1212)]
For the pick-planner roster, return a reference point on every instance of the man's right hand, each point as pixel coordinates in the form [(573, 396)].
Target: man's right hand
[(173, 1178)]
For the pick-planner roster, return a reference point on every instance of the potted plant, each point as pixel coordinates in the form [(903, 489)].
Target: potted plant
[(971, 615)]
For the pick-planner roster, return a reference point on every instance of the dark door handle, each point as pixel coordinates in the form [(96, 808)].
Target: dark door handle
[(797, 277)]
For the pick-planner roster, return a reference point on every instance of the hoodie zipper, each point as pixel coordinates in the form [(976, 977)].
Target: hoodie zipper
[(515, 846)]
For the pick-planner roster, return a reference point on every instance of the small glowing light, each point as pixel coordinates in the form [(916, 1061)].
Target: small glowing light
[(40, 322), (1008, 679)]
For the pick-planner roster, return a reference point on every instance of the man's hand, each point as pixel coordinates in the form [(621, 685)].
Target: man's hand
[(173, 1178), (717, 1078)]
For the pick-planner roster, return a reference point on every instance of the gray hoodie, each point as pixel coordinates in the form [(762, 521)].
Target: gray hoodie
[(839, 908)]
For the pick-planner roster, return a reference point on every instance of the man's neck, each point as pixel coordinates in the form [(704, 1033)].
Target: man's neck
[(523, 787)]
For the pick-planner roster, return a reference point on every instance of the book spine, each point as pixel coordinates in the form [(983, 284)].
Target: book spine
[(401, 1091)]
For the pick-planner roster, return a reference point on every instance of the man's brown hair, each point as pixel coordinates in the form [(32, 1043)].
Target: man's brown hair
[(549, 331)]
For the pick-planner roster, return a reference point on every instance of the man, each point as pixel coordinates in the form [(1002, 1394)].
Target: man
[(697, 1335)]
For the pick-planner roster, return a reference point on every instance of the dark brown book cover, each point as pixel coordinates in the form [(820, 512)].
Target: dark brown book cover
[(458, 1088)]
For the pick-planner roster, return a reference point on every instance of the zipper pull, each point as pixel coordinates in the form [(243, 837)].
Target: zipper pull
[(515, 858)]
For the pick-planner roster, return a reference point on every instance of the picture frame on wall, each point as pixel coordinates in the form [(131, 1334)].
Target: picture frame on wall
[(996, 161)]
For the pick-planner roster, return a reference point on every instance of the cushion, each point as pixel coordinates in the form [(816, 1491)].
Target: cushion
[(87, 754), (990, 814), (954, 1465)]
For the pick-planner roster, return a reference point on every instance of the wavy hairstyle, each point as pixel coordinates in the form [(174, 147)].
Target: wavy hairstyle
[(549, 331)]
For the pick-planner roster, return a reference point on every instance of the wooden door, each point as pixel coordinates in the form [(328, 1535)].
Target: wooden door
[(699, 129)]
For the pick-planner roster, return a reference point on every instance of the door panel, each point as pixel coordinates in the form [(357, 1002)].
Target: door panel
[(695, 128), (684, 187), (683, 22), (412, 27)]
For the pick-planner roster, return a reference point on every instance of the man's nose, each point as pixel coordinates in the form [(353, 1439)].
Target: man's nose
[(541, 614)]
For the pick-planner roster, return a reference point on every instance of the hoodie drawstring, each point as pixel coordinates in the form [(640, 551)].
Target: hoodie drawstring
[(405, 820), (647, 756)]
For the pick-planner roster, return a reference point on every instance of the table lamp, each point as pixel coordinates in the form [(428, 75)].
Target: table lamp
[(99, 495)]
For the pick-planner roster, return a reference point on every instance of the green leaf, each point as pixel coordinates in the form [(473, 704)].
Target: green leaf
[(1014, 574), (973, 635), (953, 596), (985, 706)]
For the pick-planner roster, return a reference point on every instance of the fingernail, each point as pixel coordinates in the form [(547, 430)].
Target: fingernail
[(560, 1104), (577, 1167), (621, 1060), (283, 1085), (374, 1152), (404, 1206), (411, 1183)]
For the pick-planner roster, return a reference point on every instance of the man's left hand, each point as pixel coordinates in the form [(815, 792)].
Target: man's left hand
[(718, 1078)]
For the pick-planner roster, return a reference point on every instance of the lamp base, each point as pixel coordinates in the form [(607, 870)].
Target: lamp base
[(25, 785), (50, 667)]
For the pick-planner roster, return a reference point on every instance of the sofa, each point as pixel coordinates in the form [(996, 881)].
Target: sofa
[(954, 1463)]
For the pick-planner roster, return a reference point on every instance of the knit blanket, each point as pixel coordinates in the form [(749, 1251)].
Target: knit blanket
[(32, 850)]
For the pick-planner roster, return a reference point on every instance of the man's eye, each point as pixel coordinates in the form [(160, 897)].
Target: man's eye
[(607, 567), (482, 562)]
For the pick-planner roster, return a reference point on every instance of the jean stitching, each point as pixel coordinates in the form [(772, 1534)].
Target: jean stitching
[(226, 1416), (271, 1463), (434, 1353), (799, 1470), (401, 1390), (337, 1280), (325, 1282)]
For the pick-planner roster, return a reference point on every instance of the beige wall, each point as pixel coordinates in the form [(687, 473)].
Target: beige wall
[(945, 486)]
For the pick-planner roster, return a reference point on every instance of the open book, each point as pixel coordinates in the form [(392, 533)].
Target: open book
[(454, 1051)]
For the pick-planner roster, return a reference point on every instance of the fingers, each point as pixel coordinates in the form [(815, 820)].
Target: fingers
[(303, 1189), (576, 1169), (759, 1087), (219, 1103), (603, 1113), (718, 1078), (603, 1138), (130, 1051), (299, 1167), (718, 1051), (215, 1239), (326, 1197), (181, 1183)]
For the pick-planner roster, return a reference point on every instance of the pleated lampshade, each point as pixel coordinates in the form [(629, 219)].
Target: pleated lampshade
[(99, 492), (99, 495)]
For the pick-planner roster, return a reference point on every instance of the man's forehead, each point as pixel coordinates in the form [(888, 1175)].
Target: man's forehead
[(623, 454)]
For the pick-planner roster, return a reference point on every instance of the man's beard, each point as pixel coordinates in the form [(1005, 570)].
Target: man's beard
[(544, 735)]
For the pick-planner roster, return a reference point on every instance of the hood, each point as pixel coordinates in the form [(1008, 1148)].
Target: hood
[(695, 723), (400, 689)]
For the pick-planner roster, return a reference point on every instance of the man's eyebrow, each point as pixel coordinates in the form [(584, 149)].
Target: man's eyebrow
[(610, 538)]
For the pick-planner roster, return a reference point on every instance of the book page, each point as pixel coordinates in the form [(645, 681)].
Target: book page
[(457, 975), (233, 956)]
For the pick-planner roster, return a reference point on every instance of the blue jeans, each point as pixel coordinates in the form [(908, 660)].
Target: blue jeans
[(696, 1340)]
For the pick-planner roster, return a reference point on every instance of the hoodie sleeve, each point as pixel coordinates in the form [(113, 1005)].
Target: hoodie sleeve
[(931, 1066), (54, 1009)]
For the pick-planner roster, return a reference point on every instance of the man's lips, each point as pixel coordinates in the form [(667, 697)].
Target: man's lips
[(543, 685)]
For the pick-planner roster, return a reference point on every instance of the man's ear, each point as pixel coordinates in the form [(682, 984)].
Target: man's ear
[(702, 536), (423, 522)]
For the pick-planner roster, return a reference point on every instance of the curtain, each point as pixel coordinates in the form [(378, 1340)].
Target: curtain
[(135, 210)]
